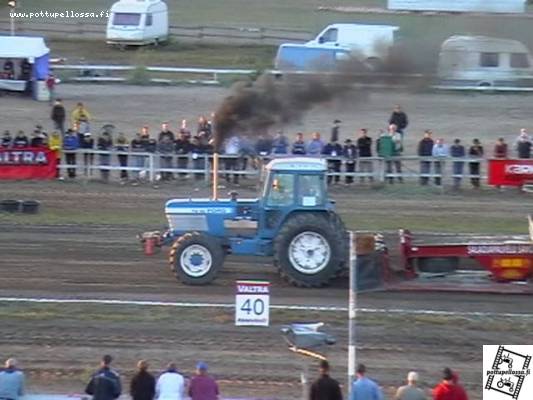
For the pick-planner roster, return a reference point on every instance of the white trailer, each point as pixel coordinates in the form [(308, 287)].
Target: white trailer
[(137, 22)]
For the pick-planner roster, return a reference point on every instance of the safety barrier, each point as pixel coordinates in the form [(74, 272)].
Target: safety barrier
[(152, 167)]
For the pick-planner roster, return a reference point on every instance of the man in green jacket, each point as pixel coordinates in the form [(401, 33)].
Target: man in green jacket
[(390, 145)]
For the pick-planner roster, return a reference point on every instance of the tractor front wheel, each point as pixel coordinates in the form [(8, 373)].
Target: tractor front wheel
[(309, 251), (196, 258)]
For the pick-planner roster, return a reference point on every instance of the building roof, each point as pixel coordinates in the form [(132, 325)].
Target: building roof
[(22, 47), (297, 164)]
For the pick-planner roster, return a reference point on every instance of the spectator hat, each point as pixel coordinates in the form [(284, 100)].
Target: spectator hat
[(348, 141), (337, 121), (86, 134), (202, 366)]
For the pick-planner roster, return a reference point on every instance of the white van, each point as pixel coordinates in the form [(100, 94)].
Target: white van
[(137, 22), (369, 43), (484, 61)]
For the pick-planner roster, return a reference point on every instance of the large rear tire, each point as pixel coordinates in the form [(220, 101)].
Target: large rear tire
[(196, 258), (310, 249)]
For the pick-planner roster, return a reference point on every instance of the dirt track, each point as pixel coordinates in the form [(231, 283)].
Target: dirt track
[(58, 344)]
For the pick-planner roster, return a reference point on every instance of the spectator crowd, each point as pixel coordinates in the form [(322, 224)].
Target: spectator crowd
[(105, 384), (187, 148)]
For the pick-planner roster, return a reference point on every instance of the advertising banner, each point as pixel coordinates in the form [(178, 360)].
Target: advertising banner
[(27, 163), (510, 172)]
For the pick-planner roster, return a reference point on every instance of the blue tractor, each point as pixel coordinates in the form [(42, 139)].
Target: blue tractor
[(294, 222)]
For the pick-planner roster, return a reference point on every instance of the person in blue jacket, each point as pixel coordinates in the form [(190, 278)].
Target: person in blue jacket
[(71, 143)]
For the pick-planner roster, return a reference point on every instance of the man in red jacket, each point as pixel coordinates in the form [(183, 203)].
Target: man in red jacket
[(449, 388)]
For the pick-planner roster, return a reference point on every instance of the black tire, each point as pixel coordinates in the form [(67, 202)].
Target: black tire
[(339, 226), (438, 265), (206, 242), (323, 224)]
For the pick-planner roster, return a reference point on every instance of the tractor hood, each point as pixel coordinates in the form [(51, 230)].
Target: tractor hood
[(207, 215)]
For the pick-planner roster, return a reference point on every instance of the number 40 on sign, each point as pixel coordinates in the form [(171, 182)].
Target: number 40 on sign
[(252, 303)]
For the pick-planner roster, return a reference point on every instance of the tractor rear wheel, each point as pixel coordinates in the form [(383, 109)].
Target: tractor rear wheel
[(196, 258), (309, 249)]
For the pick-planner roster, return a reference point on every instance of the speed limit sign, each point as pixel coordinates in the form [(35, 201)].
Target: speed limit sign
[(252, 303)]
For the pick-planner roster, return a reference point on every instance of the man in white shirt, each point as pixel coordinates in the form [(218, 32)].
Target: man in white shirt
[(170, 385)]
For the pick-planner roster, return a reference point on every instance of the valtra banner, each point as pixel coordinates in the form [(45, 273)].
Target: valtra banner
[(27, 163), (510, 172)]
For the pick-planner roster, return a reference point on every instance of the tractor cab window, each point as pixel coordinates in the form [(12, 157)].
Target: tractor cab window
[(311, 190), (281, 191)]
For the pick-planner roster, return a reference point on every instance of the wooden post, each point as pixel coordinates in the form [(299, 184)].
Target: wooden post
[(215, 176)]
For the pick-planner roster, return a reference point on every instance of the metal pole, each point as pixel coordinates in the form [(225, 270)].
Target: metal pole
[(215, 176), (352, 304), (12, 24)]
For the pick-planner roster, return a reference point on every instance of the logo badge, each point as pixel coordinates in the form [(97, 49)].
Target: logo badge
[(506, 372)]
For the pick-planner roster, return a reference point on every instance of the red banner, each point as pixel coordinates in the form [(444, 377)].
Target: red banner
[(27, 163), (510, 172)]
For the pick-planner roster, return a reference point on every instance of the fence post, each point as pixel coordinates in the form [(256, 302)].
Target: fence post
[(207, 167)]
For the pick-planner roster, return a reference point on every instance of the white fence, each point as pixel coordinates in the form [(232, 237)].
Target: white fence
[(153, 167)]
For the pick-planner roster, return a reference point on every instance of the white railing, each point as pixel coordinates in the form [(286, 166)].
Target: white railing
[(152, 167)]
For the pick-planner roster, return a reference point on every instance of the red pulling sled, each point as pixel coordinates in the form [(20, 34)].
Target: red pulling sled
[(507, 261)]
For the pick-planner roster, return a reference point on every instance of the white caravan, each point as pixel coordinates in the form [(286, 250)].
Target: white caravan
[(484, 61), (137, 22)]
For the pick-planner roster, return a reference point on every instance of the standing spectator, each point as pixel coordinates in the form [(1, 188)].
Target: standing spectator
[(9, 69), (350, 153), (232, 149), (333, 152), (500, 149), (149, 144), (182, 148), (142, 385), (166, 132), (365, 388), (204, 126), (247, 151), (410, 391), (137, 146), (280, 144), (263, 146), (440, 150), (184, 129), (37, 139), (425, 149), (203, 386), (105, 143), (11, 381), (51, 83), (170, 385), (20, 140), (166, 148), (475, 151), (7, 140), (447, 389), (385, 149), (58, 116), (397, 139), (364, 148), (335, 130), (121, 145), (56, 144), (87, 144), (325, 387), (70, 145), (299, 146), (457, 150), (523, 146), (198, 152), (81, 118), (399, 118), (105, 383), (316, 145)]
